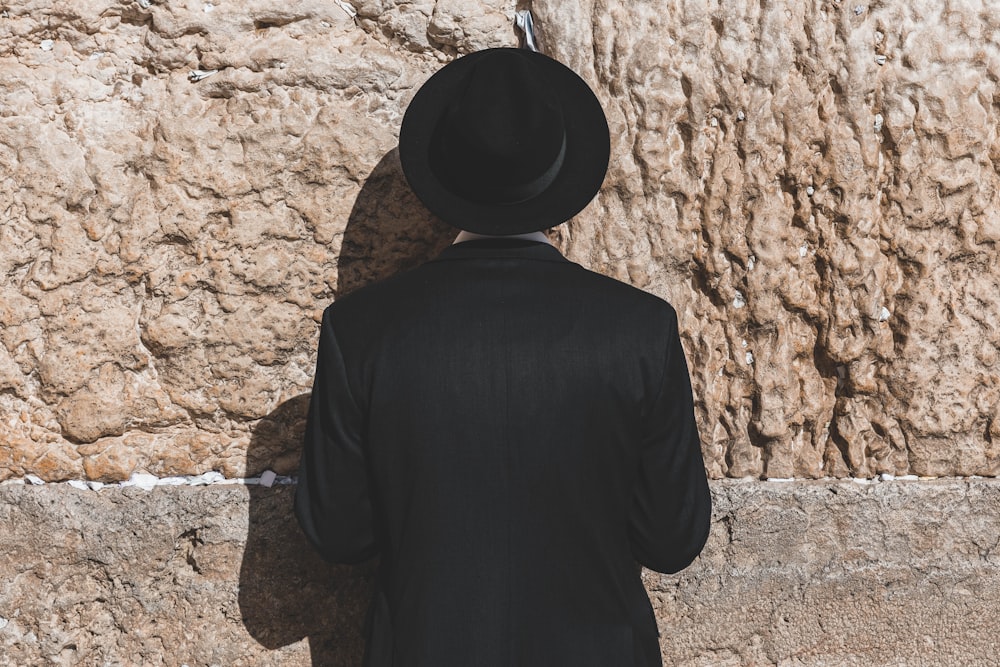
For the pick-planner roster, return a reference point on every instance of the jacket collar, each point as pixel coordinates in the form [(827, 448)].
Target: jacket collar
[(504, 248)]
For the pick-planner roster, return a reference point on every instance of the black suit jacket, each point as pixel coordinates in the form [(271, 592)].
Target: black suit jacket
[(510, 432)]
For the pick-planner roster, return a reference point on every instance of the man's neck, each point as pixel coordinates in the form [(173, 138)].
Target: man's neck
[(530, 236)]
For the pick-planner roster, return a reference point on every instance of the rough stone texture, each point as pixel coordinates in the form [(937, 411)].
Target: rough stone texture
[(167, 246), (812, 184), (782, 187), (839, 573), (169, 577), (794, 574)]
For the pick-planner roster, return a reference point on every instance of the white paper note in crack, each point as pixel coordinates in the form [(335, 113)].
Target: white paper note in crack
[(144, 481), (210, 477)]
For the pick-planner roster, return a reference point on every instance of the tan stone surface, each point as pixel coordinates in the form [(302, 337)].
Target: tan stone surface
[(167, 246), (169, 577), (783, 172), (815, 573), (810, 183)]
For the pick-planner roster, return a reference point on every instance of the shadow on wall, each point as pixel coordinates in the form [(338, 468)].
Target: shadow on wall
[(287, 592), (389, 230)]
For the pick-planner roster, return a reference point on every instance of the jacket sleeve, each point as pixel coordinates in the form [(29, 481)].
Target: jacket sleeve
[(332, 503), (671, 505)]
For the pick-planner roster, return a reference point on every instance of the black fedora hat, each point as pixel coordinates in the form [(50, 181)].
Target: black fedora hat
[(504, 141)]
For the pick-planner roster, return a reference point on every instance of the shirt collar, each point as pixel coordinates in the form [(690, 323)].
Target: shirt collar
[(510, 247), (538, 237)]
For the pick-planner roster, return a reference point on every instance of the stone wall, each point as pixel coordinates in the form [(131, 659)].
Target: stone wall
[(796, 574), (185, 185), (813, 185)]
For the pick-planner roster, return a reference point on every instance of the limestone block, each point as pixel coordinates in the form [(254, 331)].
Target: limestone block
[(184, 187), (807, 573), (812, 185), (169, 242)]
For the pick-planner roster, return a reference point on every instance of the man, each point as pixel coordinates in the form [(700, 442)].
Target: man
[(509, 431)]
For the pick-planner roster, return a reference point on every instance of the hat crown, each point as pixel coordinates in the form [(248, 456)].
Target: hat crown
[(502, 138), (504, 141)]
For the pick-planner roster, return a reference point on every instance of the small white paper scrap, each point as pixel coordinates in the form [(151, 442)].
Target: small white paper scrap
[(348, 8), (214, 477), (95, 486), (523, 20), (210, 477), (267, 478), (199, 74), (172, 481), (34, 480), (46, 44), (143, 480), (79, 484)]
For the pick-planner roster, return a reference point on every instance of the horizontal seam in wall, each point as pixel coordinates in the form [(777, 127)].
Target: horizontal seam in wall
[(270, 479)]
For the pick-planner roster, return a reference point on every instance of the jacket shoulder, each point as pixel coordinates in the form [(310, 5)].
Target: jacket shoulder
[(374, 292), (645, 304), (409, 288)]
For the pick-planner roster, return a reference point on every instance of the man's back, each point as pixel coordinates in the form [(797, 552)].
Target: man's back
[(510, 432)]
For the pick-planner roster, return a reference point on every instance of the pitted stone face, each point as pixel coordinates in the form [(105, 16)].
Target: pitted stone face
[(792, 573), (186, 186), (817, 180)]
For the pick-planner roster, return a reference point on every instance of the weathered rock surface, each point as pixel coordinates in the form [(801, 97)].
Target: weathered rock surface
[(804, 573), (812, 184), (167, 245)]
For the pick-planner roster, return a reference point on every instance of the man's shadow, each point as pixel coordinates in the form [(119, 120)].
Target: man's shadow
[(287, 592)]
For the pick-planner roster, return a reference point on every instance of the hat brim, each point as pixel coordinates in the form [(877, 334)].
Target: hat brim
[(588, 147)]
